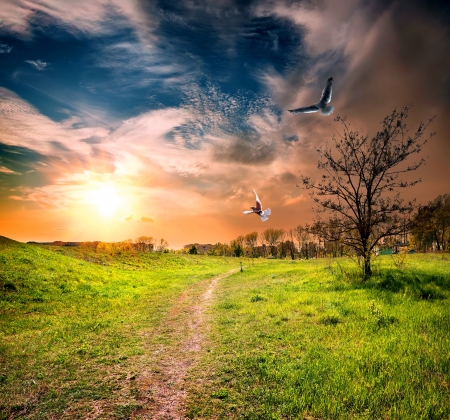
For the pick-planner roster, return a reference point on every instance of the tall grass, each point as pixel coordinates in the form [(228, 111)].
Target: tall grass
[(310, 340)]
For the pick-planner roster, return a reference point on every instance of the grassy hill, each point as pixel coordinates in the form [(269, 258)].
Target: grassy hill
[(287, 339), (73, 332)]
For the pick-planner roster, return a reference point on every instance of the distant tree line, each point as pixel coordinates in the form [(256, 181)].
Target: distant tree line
[(430, 227), (140, 244), (301, 242), (426, 231)]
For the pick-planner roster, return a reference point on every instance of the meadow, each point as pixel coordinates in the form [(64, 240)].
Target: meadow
[(310, 340), (78, 327), (285, 339)]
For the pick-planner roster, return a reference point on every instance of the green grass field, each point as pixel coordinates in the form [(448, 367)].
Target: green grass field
[(74, 332), (286, 339), (309, 340)]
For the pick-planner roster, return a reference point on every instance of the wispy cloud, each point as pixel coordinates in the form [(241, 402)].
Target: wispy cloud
[(37, 64), (146, 219), (135, 64), (5, 48), (95, 17), (5, 170)]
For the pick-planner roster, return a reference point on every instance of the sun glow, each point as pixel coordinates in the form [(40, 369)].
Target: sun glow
[(105, 199)]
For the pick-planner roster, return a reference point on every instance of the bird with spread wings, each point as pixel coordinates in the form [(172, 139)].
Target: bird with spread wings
[(258, 209), (322, 105)]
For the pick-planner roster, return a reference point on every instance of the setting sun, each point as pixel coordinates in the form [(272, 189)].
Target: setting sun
[(105, 199)]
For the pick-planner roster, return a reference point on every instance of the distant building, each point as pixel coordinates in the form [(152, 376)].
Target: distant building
[(201, 248)]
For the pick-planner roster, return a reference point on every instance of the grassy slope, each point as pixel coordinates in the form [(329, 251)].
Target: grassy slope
[(306, 340), (73, 332)]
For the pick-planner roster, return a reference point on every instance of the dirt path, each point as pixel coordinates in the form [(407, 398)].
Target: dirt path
[(182, 336)]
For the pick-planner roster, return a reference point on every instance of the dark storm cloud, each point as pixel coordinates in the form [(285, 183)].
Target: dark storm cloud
[(247, 150)]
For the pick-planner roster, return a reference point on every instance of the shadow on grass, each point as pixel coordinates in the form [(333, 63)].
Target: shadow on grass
[(418, 283)]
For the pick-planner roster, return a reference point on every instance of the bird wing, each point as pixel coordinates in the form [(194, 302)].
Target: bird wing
[(326, 95), (264, 217), (247, 212), (327, 110), (267, 212), (258, 202), (305, 109)]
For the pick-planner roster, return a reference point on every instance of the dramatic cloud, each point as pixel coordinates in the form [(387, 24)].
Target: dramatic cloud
[(179, 109), (20, 17), (248, 150)]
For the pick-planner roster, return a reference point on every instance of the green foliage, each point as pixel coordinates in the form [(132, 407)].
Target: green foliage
[(431, 225), (238, 251), (400, 259), (193, 250)]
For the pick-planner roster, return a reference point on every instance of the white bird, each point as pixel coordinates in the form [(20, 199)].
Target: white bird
[(258, 209), (322, 104)]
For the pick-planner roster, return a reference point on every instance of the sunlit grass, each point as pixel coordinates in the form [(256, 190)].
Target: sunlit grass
[(287, 339), (309, 340), (75, 332)]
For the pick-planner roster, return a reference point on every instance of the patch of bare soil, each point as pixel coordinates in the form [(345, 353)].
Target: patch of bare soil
[(179, 350)]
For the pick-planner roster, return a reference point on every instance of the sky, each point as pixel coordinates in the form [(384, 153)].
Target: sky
[(122, 118)]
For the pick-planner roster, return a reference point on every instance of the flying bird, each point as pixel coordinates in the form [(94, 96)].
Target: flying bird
[(322, 104), (258, 209)]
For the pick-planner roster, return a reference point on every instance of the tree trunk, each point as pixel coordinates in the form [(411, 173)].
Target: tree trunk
[(367, 267), (366, 256)]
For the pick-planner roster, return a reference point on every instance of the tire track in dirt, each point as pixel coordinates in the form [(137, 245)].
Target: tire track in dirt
[(183, 333)]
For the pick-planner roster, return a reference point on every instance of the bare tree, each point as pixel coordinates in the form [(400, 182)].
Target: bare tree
[(290, 244), (251, 241), (360, 187), (271, 237), (240, 240), (302, 236), (162, 245), (145, 243), (281, 245), (262, 240)]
